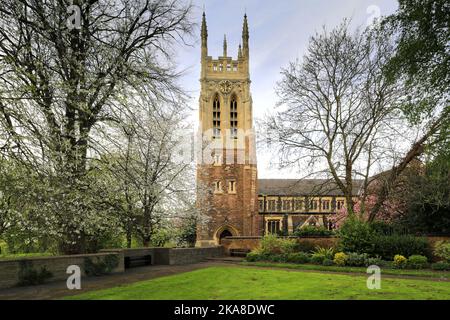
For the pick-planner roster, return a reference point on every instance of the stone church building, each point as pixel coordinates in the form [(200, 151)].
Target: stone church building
[(229, 195)]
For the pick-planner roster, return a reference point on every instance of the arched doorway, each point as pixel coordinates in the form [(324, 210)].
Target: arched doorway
[(225, 233)]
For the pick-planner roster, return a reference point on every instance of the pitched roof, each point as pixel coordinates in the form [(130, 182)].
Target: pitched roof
[(302, 187)]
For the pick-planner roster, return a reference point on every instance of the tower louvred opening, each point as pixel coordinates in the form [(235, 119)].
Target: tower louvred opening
[(234, 117), (216, 117)]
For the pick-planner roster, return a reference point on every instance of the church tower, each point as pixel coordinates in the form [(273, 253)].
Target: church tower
[(226, 162)]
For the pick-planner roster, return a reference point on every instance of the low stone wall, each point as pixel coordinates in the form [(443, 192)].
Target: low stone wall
[(194, 255), (174, 256), (134, 252), (247, 243), (13, 271)]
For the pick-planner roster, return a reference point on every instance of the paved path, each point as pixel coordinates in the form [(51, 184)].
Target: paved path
[(57, 290)]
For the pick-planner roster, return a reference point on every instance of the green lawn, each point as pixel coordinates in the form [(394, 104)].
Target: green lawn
[(428, 273), (241, 283)]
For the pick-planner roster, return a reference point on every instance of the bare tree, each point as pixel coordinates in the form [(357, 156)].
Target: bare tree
[(336, 107)]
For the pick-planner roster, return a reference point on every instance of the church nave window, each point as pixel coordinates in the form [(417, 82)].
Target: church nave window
[(340, 204), (286, 205), (314, 205), (272, 205), (298, 205), (273, 226), (325, 205)]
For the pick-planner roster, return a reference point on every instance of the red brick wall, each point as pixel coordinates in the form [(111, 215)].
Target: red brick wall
[(236, 210)]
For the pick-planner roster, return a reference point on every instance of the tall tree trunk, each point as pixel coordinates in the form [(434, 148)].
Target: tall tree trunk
[(129, 239)]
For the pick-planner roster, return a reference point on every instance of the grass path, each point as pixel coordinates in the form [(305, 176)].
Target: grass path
[(242, 283)]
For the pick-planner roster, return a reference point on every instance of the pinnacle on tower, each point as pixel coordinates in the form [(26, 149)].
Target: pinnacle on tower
[(240, 51), (245, 33), (245, 36), (225, 46), (204, 34)]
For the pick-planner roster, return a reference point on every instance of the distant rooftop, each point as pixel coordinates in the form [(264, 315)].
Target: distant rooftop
[(302, 187)]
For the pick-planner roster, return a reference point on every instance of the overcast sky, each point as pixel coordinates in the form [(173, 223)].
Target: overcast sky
[(279, 33)]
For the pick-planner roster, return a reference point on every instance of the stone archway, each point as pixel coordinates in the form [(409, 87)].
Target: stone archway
[(225, 231)]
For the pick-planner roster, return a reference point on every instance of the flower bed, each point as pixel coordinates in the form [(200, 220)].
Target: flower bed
[(274, 249)]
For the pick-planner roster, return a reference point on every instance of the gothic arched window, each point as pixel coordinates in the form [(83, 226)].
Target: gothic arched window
[(216, 117), (234, 118)]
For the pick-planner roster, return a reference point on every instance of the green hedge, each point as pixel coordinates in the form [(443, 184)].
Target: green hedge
[(362, 237), (417, 262), (406, 245), (441, 266), (299, 257)]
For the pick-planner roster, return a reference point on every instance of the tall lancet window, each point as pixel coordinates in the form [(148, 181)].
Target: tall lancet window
[(234, 118), (216, 117)]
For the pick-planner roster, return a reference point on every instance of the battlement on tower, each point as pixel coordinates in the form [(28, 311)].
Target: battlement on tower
[(225, 67)]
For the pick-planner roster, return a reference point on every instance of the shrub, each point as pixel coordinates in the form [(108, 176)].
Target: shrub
[(272, 244), (299, 257), (313, 231), (317, 258), (417, 262), (355, 236), (400, 261), (441, 265), (355, 259), (305, 246), (375, 261), (442, 250), (278, 257), (327, 262), (254, 256), (257, 255), (406, 245), (340, 259), (328, 253)]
